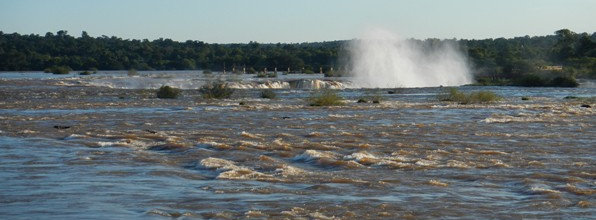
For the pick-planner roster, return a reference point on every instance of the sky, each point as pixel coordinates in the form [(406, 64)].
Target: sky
[(272, 21)]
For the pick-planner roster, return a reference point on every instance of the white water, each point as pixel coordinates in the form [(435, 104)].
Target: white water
[(382, 59), (197, 80)]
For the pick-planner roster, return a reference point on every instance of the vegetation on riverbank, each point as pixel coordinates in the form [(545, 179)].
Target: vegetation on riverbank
[(58, 70), (497, 61), (531, 80), (454, 95)]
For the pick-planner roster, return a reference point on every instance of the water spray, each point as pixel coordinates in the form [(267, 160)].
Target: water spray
[(381, 59)]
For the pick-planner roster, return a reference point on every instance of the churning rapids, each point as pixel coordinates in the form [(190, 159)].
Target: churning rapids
[(103, 146)]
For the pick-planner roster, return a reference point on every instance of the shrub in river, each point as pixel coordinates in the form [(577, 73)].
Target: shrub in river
[(454, 95), (564, 81), (483, 97), (132, 72), (251, 70), (261, 75), (58, 70), (362, 100), (216, 90), (207, 72), (375, 99), (325, 97), (166, 92), (396, 91), (89, 72), (525, 98), (268, 94)]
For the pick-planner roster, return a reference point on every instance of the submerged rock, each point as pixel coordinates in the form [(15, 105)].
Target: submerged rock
[(168, 147)]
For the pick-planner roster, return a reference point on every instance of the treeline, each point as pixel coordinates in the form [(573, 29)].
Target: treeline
[(34, 52), (564, 53)]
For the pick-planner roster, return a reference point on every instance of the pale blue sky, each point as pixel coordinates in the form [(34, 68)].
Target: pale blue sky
[(226, 21)]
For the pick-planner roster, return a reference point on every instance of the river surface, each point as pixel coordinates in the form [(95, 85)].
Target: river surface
[(104, 147)]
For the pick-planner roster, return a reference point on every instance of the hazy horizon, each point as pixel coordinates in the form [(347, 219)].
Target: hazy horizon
[(295, 22)]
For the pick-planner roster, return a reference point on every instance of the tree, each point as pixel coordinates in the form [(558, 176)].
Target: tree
[(62, 33), (564, 47), (85, 35)]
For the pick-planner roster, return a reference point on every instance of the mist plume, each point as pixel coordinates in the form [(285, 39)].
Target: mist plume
[(381, 59)]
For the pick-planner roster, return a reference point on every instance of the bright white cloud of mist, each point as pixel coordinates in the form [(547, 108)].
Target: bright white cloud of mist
[(381, 59)]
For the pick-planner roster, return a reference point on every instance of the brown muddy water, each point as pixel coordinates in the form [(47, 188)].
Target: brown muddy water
[(105, 147)]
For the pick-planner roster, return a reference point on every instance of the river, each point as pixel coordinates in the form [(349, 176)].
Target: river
[(104, 147)]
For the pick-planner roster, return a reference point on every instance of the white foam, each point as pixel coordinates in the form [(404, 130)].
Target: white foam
[(250, 135), (104, 143), (229, 170), (382, 59), (310, 155), (543, 189), (217, 163), (360, 156), (74, 136), (287, 170), (425, 163)]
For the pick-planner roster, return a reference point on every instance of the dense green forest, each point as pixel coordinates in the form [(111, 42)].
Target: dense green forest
[(564, 53), (34, 52)]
